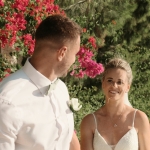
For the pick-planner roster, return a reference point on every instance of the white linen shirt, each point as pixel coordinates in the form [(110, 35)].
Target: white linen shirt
[(29, 118)]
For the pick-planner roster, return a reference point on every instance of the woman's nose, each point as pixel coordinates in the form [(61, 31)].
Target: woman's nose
[(114, 84)]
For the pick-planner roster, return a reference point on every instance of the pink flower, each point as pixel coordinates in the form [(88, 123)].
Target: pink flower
[(3, 38), (31, 49), (27, 39), (87, 66), (92, 41), (1, 3), (21, 5), (80, 74), (72, 73), (8, 70), (6, 75), (16, 22), (84, 30)]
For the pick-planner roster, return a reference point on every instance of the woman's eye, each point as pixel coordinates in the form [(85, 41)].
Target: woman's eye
[(119, 82)]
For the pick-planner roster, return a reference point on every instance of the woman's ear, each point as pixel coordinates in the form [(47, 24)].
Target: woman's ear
[(61, 53), (128, 88)]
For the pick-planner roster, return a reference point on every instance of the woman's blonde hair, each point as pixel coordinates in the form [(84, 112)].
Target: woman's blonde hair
[(119, 63)]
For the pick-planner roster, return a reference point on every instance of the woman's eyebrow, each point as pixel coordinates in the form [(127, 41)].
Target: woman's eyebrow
[(112, 78)]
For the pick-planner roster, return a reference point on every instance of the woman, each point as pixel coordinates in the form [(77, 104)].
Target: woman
[(116, 125)]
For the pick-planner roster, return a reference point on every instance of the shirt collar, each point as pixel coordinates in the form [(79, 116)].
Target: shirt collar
[(40, 81)]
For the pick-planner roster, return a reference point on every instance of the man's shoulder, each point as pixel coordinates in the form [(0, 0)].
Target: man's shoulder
[(12, 84), (62, 85), (16, 77)]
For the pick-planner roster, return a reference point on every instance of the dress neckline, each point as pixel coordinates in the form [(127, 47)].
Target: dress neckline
[(133, 128)]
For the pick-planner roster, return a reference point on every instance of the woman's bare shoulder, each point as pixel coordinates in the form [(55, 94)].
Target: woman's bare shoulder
[(141, 120), (88, 118), (88, 122), (141, 116)]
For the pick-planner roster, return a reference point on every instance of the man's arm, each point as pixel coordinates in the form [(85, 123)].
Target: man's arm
[(74, 145), (9, 125)]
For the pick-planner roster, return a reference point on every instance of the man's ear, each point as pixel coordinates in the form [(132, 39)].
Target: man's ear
[(103, 86), (61, 53)]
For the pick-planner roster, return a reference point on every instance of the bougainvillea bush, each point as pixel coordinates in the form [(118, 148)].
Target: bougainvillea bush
[(18, 22)]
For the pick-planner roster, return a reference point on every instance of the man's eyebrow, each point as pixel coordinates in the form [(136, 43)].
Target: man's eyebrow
[(109, 78)]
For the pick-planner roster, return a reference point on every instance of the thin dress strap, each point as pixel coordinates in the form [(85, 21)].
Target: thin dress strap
[(95, 120), (134, 117)]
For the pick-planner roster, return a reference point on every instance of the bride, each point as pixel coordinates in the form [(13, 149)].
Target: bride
[(116, 125)]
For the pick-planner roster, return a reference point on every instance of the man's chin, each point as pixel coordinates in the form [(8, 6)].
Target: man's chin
[(64, 75)]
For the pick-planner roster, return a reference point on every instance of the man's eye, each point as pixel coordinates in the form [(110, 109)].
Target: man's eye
[(109, 81)]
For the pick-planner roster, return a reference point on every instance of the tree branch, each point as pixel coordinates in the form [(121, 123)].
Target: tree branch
[(80, 2)]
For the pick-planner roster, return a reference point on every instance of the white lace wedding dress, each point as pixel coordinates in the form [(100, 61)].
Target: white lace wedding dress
[(128, 142)]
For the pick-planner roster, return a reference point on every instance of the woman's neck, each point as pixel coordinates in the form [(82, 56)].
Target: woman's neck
[(113, 110)]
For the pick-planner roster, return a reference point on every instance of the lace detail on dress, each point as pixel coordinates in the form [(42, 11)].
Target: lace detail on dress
[(128, 142), (112, 146)]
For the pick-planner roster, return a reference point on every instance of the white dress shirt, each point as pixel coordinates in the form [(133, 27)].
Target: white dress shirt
[(32, 117)]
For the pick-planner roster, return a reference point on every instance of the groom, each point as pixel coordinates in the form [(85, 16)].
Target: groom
[(34, 114)]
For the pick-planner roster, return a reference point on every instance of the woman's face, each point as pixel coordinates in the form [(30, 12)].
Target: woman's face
[(115, 84)]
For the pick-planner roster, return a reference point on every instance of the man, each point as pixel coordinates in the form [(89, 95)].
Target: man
[(34, 114)]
